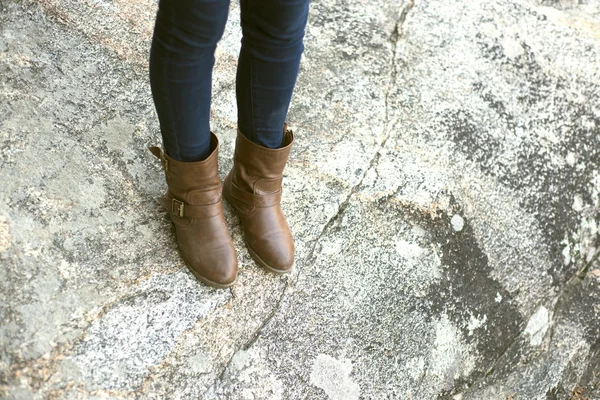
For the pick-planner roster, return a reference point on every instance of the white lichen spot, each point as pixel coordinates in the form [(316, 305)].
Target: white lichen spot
[(566, 251), (64, 269), (370, 177), (490, 30), (240, 360), (332, 248), (537, 326), (106, 5), (416, 367), (512, 48), (498, 297), (408, 250), (475, 323), (577, 203), (333, 376), (571, 159), (458, 223), (450, 358), (5, 237), (199, 364)]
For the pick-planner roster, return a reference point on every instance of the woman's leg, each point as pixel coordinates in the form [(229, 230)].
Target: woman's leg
[(272, 45), (181, 62), (267, 70)]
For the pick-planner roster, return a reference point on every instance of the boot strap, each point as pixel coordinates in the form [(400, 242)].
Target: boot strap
[(255, 200), (182, 210)]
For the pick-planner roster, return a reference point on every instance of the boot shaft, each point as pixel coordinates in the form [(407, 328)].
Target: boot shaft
[(195, 183), (258, 169)]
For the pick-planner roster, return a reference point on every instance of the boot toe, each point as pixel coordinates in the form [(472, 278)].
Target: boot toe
[(217, 268), (273, 254)]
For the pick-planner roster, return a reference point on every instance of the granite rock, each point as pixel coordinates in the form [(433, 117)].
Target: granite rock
[(444, 193)]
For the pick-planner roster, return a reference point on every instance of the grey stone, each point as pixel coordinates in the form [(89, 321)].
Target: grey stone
[(141, 329), (443, 190)]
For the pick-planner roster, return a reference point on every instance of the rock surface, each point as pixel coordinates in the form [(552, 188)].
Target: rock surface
[(444, 192)]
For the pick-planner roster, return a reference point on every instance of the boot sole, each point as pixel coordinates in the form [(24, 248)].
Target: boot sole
[(210, 283)]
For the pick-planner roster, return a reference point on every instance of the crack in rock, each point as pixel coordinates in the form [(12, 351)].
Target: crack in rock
[(387, 127)]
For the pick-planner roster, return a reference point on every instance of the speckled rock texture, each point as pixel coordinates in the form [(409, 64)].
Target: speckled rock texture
[(444, 193)]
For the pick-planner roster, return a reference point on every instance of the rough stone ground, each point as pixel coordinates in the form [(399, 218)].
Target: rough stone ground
[(443, 192)]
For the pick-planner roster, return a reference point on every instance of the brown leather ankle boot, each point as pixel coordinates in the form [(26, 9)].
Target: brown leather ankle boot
[(193, 200), (253, 188)]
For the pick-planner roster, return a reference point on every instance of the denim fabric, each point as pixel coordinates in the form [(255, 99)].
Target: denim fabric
[(182, 58)]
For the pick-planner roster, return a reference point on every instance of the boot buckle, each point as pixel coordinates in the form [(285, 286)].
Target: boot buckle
[(177, 207)]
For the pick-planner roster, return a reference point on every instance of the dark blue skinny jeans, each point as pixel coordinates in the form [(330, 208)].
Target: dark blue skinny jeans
[(181, 63)]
